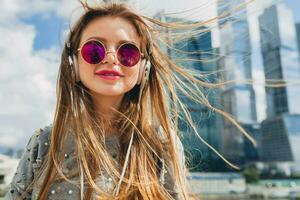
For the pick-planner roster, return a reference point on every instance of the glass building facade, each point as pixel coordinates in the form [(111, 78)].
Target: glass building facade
[(292, 126), (238, 99), (281, 59), (281, 128), (281, 141)]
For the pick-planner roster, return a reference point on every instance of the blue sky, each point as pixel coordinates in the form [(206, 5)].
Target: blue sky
[(48, 30), (30, 53)]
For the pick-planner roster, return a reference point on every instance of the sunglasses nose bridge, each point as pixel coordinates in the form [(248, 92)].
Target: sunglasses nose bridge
[(110, 56)]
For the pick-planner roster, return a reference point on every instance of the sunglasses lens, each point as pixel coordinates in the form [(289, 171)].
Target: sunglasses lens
[(93, 52), (129, 55)]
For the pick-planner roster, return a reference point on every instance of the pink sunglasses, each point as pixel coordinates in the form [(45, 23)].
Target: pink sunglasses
[(94, 52)]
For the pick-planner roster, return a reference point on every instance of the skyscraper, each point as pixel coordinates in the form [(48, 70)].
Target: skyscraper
[(238, 98), (280, 130), (281, 59)]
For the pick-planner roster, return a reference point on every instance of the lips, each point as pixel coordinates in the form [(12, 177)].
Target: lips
[(109, 73)]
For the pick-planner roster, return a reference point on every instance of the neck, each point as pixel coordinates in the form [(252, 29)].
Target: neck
[(105, 107)]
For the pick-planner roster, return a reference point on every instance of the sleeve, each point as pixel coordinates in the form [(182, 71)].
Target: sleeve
[(25, 171), (170, 184)]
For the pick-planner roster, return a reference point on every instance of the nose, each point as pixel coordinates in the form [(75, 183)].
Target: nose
[(111, 57)]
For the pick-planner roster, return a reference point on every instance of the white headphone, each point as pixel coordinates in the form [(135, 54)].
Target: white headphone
[(143, 76)]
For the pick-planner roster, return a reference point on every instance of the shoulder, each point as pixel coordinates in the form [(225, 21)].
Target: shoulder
[(41, 139), (30, 162), (37, 146), (39, 142), (41, 136)]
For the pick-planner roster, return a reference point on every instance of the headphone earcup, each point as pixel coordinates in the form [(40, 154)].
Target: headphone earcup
[(144, 72), (143, 76), (76, 68), (70, 60), (143, 62)]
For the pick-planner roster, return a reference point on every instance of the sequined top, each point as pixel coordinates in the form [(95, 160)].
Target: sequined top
[(35, 153)]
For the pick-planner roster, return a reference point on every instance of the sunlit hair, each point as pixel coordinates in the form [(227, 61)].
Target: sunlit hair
[(159, 107)]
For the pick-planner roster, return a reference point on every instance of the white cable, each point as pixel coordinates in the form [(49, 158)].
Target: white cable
[(116, 191), (81, 182)]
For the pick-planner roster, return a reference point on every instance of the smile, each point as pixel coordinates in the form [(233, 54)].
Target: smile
[(109, 74)]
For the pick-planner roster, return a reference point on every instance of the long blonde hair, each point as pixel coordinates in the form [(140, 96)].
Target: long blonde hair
[(159, 107)]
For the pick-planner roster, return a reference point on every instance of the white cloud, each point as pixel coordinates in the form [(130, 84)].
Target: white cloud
[(64, 8), (12, 10), (27, 77)]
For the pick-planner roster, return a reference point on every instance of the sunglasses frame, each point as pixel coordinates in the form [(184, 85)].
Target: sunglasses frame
[(106, 52)]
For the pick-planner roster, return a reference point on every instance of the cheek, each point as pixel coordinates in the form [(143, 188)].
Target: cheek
[(84, 68), (132, 75)]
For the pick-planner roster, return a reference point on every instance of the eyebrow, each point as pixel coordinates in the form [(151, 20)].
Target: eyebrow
[(105, 40)]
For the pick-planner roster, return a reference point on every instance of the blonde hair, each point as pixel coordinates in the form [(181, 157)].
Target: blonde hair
[(159, 107)]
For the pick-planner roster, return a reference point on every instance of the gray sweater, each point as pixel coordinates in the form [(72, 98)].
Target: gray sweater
[(34, 155)]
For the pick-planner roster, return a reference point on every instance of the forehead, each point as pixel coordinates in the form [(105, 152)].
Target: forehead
[(112, 29)]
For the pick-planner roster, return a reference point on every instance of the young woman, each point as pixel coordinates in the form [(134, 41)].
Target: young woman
[(114, 134)]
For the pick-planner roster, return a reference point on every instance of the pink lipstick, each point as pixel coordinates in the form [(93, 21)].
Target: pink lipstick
[(109, 74)]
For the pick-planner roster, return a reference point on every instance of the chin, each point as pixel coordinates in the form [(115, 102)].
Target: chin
[(108, 93)]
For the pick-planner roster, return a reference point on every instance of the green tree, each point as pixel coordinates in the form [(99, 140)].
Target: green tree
[(251, 175)]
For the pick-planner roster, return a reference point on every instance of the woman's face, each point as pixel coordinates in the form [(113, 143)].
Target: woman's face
[(111, 31)]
